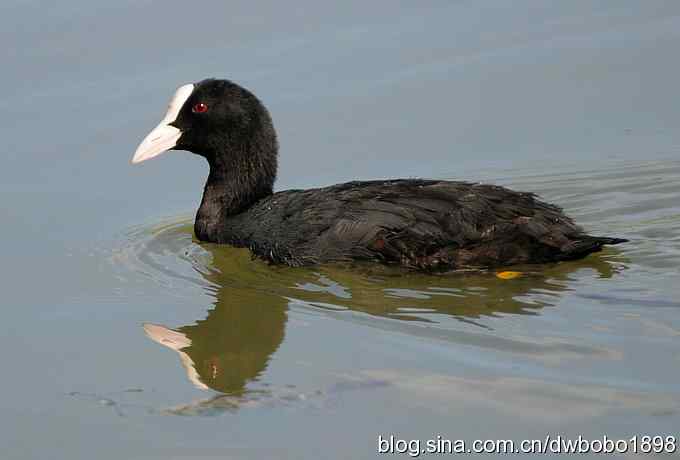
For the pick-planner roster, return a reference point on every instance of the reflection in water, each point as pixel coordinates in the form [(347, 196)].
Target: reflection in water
[(230, 349), (465, 296)]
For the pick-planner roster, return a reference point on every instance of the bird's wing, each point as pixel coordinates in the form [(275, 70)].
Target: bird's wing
[(414, 219)]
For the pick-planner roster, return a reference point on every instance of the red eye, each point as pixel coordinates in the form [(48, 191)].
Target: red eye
[(200, 108)]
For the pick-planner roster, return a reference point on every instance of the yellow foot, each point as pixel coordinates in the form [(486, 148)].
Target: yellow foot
[(509, 275)]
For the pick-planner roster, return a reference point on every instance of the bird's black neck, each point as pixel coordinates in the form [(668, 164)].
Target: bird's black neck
[(238, 179)]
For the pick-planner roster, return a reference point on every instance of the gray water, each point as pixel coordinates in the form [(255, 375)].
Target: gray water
[(124, 338)]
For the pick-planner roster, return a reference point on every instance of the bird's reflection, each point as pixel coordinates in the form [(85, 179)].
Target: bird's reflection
[(230, 349), (232, 345)]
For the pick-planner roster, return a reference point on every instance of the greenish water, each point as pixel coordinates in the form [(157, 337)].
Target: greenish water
[(124, 337)]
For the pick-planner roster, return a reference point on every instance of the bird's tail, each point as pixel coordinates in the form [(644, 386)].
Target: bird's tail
[(586, 244), (604, 240)]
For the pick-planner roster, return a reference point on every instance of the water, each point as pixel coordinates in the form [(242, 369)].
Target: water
[(123, 337)]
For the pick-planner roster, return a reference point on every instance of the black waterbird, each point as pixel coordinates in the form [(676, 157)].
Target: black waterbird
[(415, 223)]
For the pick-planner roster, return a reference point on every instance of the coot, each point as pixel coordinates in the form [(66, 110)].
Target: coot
[(415, 223)]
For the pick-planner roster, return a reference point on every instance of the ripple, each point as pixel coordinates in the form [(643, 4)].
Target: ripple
[(164, 254)]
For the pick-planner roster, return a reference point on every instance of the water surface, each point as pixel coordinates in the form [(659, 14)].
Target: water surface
[(124, 337)]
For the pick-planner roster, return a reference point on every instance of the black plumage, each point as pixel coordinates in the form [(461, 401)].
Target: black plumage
[(421, 224)]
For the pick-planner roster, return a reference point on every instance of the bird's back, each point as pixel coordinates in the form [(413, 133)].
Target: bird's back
[(425, 224)]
